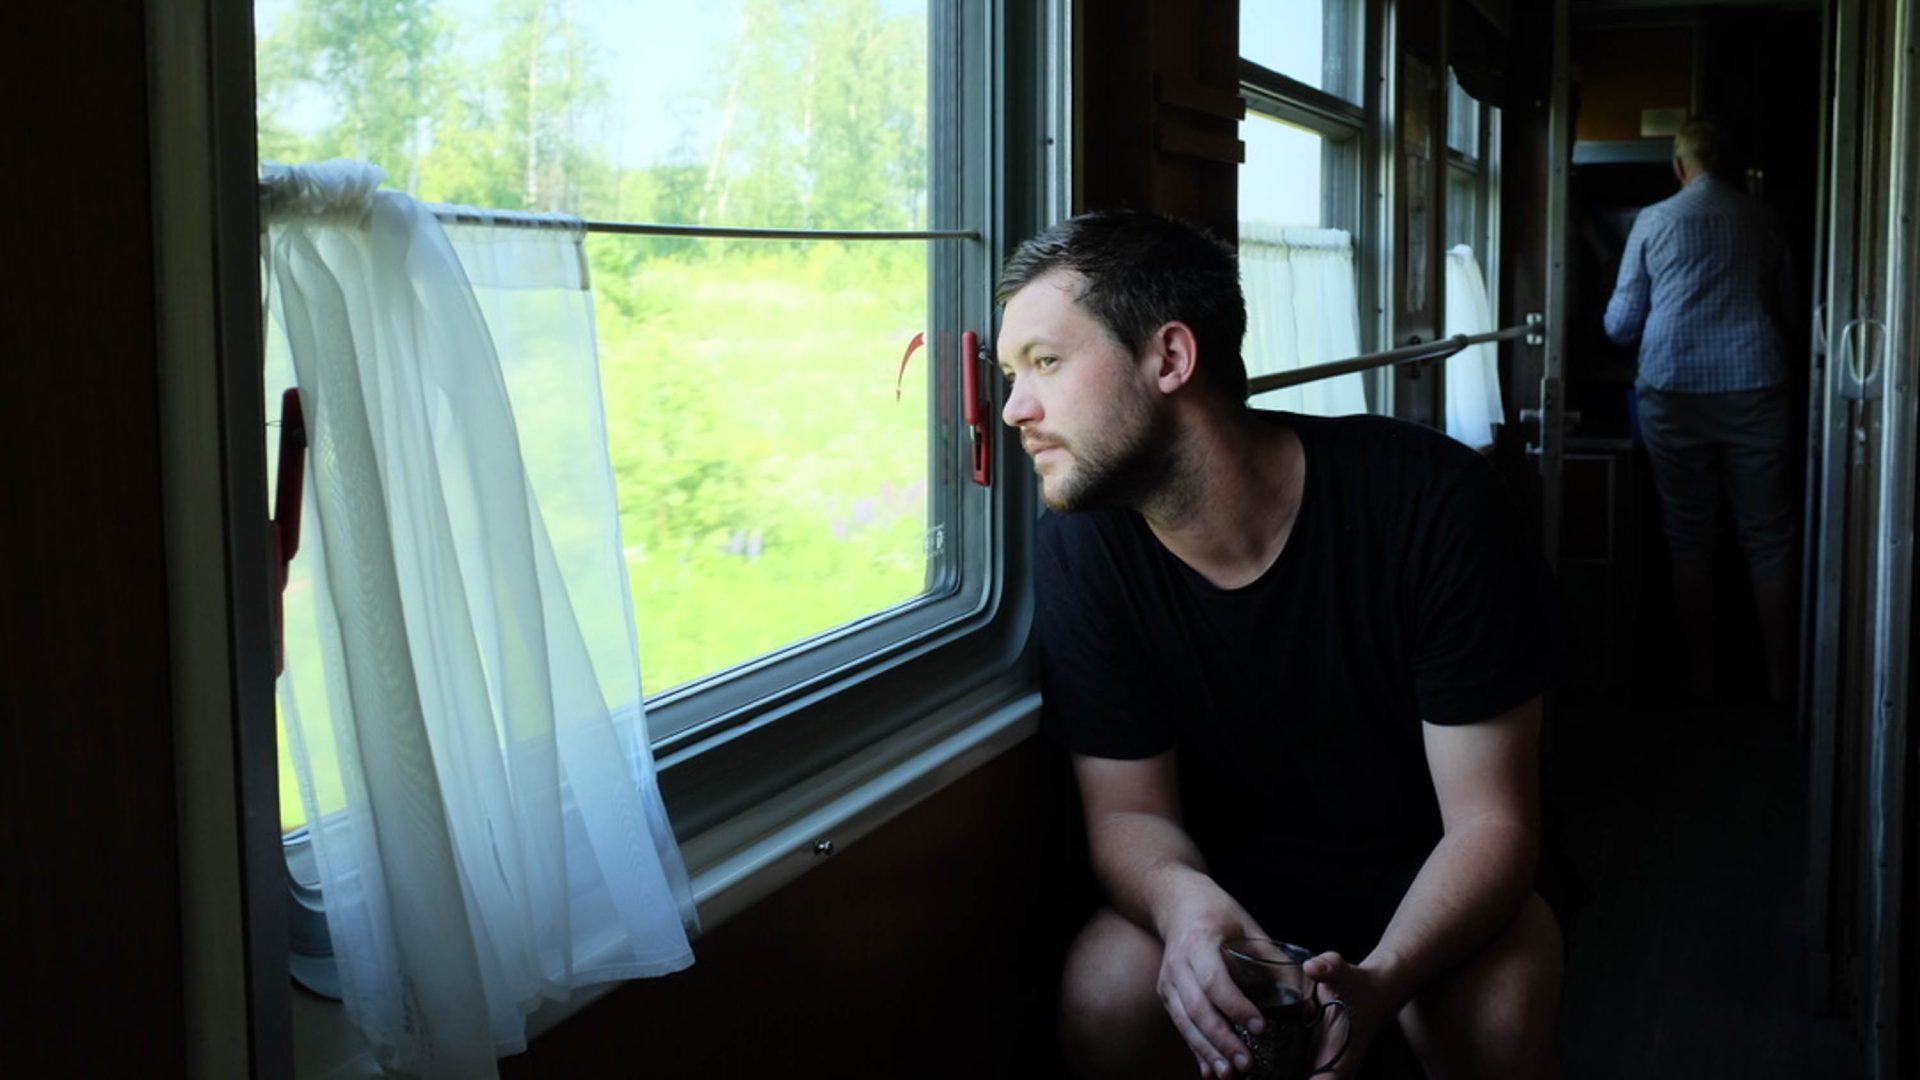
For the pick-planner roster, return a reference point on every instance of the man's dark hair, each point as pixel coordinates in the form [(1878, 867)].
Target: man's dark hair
[(1142, 271)]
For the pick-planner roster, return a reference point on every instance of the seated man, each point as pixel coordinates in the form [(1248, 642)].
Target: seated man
[(1298, 662)]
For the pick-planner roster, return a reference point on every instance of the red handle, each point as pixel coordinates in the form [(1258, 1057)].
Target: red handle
[(974, 408), (284, 529)]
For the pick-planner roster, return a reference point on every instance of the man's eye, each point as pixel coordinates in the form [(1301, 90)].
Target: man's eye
[(1045, 361)]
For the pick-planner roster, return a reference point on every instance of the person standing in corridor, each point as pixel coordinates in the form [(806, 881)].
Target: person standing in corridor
[(1705, 287)]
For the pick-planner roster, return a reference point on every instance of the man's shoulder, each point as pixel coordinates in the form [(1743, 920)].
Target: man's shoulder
[(1712, 196)]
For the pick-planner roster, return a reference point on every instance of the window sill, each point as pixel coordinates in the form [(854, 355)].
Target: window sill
[(744, 860)]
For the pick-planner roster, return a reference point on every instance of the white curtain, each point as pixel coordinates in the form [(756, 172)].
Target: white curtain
[(462, 695), (1473, 374), (1302, 308)]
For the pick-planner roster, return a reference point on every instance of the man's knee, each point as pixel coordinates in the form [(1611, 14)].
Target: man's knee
[(1494, 1015), (1111, 1018)]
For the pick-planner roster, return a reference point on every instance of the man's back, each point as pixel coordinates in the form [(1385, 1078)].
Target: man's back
[(1704, 282)]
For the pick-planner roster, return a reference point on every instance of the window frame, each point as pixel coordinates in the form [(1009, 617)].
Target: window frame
[(1482, 167), (1343, 38), (1355, 179), (857, 742), (961, 599)]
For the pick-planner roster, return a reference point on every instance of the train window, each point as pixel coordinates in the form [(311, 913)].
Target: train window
[(1463, 119), (1282, 182), (1314, 42), (1472, 391), (1303, 306), (1473, 177), (1305, 236), (796, 505)]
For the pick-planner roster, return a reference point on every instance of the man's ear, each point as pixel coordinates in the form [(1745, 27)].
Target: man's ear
[(1177, 356)]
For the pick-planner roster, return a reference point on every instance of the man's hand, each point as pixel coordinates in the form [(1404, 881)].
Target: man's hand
[(1200, 996), (1369, 1004)]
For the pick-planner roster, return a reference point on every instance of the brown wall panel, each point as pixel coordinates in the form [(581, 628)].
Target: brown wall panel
[(930, 948), (91, 889), (1139, 149), (1624, 70)]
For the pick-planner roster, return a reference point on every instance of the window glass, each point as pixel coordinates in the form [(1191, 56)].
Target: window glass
[(1315, 41), (772, 483), (1282, 180), (1299, 276), (1463, 119), (1463, 210), (776, 459)]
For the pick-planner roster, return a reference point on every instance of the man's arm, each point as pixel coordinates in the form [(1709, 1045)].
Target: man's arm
[(1155, 877), (1487, 779), (1632, 291)]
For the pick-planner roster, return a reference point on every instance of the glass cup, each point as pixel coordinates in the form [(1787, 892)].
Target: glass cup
[(1270, 974)]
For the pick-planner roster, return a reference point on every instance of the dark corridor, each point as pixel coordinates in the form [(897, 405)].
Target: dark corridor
[(1685, 956)]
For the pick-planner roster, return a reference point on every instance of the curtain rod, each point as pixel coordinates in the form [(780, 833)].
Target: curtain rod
[(524, 219), (1405, 354), (728, 232)]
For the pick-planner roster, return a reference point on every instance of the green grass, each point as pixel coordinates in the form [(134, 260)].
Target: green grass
[(771, 487)]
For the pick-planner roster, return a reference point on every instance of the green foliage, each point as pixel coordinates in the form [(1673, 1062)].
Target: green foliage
[(382, 62), (815, 129), (771, 487)]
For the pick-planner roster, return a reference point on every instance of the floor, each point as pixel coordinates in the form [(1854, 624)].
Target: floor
[(1684, 830)]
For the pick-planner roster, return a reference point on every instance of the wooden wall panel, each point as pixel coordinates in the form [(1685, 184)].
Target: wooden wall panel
[(1624, 70), (932, 948), (91, 887), (1418, 155), (1139, 146)]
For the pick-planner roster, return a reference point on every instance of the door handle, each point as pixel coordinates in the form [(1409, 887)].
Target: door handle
[(1860, 378)]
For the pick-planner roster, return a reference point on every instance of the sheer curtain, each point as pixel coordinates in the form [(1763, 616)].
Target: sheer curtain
[(462, 695), (1302, 308), (1473, 374)]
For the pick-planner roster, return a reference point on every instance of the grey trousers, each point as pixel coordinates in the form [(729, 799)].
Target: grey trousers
[(1737, 446)]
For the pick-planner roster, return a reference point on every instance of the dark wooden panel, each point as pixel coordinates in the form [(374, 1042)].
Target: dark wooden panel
[(92, 913), (1142, 150), (1523, 239), (1624, 70), (931, 948)]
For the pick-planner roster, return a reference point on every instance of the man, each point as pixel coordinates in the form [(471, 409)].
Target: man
[(1298, 664), (1705, 286)]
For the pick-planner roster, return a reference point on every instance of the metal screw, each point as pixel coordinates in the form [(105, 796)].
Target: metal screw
[(823, 847)]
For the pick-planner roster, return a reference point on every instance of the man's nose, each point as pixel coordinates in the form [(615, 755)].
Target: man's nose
[(1020, 407)]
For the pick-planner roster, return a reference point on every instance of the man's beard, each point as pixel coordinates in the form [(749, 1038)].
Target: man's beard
[(1120, 468)]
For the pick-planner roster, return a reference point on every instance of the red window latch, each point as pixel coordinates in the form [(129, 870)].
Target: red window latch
[(975, 408), (284, 530)]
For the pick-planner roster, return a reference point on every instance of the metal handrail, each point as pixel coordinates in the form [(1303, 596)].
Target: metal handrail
[(1438, 349)]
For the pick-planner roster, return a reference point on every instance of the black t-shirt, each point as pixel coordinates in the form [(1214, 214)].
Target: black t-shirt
[(1404, 593)]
